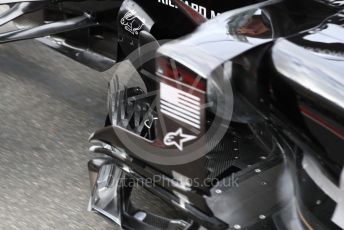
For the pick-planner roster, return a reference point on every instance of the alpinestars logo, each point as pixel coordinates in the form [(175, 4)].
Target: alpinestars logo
[(178, 138)]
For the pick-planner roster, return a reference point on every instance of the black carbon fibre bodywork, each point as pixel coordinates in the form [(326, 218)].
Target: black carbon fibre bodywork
[(279, 129)]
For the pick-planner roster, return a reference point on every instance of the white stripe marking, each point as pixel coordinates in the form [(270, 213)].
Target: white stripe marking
[(180, 119), (183, 98), (170, 93), (181, 114), (190, 95), (188, 109), (171, 106), (188, 104)]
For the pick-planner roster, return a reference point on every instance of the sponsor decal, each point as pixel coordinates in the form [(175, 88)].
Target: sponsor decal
[(207, 13), (131, 23), (180, 105), (178, 138)]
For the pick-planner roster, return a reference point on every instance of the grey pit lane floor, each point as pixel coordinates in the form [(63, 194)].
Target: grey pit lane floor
[(49, 105)]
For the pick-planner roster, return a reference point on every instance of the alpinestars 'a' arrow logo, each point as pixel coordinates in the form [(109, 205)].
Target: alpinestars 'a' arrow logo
[(178, 138)]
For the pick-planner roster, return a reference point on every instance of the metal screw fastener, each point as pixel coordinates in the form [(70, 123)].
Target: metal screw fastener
[(258, 170), (218, 191), (237, 226), (262, 217), (263, 183)]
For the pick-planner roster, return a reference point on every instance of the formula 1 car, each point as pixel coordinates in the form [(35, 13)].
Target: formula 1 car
[(238, 125), (225, 114)]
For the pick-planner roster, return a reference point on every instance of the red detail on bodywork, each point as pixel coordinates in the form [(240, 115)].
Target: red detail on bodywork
[(319, 120), (165, 66), (190, 78), (180, 73), (193, 14)]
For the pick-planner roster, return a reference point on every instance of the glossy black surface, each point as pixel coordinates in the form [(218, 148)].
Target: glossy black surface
[(295, 83), (309, 66)]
